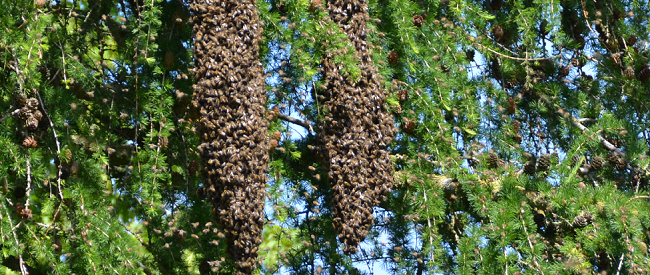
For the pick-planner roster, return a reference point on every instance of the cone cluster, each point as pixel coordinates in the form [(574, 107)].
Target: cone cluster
[(230, 97), (355, 131), (29, 112)]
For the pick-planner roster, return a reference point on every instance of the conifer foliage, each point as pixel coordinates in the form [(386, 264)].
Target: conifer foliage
[(324, 137)]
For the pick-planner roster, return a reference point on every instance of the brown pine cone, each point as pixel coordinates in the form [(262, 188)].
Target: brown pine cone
[(21, 100), (512, 106), (402, 95), (620, 164), (31, 123), (564, 71), (418, 20), (408, 127), (575, 159), (30, 142), (644, 75), (612, 157), (393, 58), (516, 126), (544, 162), (628, 72), (579, 222), (597, 163), (529, 167), (493, 160), (32, 103), (24, 113), (497, 31)]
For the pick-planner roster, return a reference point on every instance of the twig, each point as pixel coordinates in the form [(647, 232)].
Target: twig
[(586, 120), (28, 189), (638, 197), (23, 267), (610, 147), (530, 243), (304, 124), (56, 141), (134, 234), (519, 58), (15, 112), (620, 264)]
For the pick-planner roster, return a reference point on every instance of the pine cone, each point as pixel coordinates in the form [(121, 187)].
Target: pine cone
[(529, 167), (402, 95), (551, 228), (31, 123), (589, 216), (315, 5), (497, 31), (516, 126), (597, 163), (393, 58), (544, 162), (30, 142), (620, 164), (543, 28), (418, 20), (612, 157), (512, 106), (408, 127), (540, 219), (277, 135), (644, 75), (564, 71), (493, 160), (37, 115), (32, 103), (470, 55), (21, 100), (631, 40), (575, 159), (24, 113), (579, 222), (628, 72)]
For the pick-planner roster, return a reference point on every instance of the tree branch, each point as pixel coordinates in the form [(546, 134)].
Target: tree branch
[(10, 115), (610, 147), (56, 141), (304, 124)]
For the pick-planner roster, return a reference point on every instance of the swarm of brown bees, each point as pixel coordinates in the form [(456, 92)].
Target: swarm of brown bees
[(356, 131), (230, 98)]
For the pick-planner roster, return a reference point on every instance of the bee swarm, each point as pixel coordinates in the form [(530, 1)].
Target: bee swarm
[(355, 132), (230, 97)]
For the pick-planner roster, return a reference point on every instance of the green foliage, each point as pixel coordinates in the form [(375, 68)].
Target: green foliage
[(112, 184)]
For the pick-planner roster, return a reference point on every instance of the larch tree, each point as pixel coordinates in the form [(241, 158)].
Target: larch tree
[(324, 137)]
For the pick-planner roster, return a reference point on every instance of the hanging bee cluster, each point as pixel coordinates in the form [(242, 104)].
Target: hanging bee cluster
[(230, 97), (355, 131)]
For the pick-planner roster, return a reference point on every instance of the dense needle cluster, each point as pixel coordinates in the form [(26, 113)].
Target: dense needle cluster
[(355, 131), (230, 97)]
